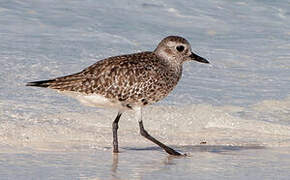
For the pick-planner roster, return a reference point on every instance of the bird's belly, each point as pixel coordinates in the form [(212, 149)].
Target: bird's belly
[(95, 100)]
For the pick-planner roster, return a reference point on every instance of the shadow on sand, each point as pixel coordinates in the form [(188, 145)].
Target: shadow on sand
[(201, 148)]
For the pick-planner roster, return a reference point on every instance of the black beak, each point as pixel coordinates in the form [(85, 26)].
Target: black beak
[(198, 58)]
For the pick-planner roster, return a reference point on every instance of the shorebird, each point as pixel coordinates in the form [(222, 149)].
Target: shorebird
[(129, 82)]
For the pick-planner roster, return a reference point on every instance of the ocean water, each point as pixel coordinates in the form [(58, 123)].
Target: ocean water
[(231, 117)]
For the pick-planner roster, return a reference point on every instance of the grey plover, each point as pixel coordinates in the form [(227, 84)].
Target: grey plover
[(129, 82)]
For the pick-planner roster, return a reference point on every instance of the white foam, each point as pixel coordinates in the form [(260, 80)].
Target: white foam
[(187, 125)]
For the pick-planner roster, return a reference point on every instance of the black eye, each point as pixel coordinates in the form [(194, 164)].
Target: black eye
[(180, 48)]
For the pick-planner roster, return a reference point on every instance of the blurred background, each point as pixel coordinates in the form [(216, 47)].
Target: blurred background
[(239, 104)]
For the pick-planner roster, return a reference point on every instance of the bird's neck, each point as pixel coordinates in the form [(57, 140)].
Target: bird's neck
[(174, 64)]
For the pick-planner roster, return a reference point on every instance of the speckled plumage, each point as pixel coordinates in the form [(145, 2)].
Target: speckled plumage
[(132, 79), (129, 81)]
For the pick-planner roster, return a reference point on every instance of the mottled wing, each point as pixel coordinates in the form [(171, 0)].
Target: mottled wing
[(133, 78)]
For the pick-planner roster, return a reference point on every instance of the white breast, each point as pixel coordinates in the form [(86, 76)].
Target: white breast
[(95, 100)]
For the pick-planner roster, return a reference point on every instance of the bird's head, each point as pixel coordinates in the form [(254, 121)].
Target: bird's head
[(177, 49)]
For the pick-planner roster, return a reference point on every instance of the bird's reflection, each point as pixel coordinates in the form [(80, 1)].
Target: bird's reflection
[(115, 162), (169, 160)]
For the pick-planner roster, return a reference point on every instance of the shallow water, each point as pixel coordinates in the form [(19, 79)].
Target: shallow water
[(206, 162), (238, 106)]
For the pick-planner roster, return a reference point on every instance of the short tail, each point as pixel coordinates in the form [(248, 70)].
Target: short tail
[(61, 83), (45, 83)]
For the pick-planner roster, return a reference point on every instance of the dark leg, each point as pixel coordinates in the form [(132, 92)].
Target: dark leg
[(144, 133), (115, 135)]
